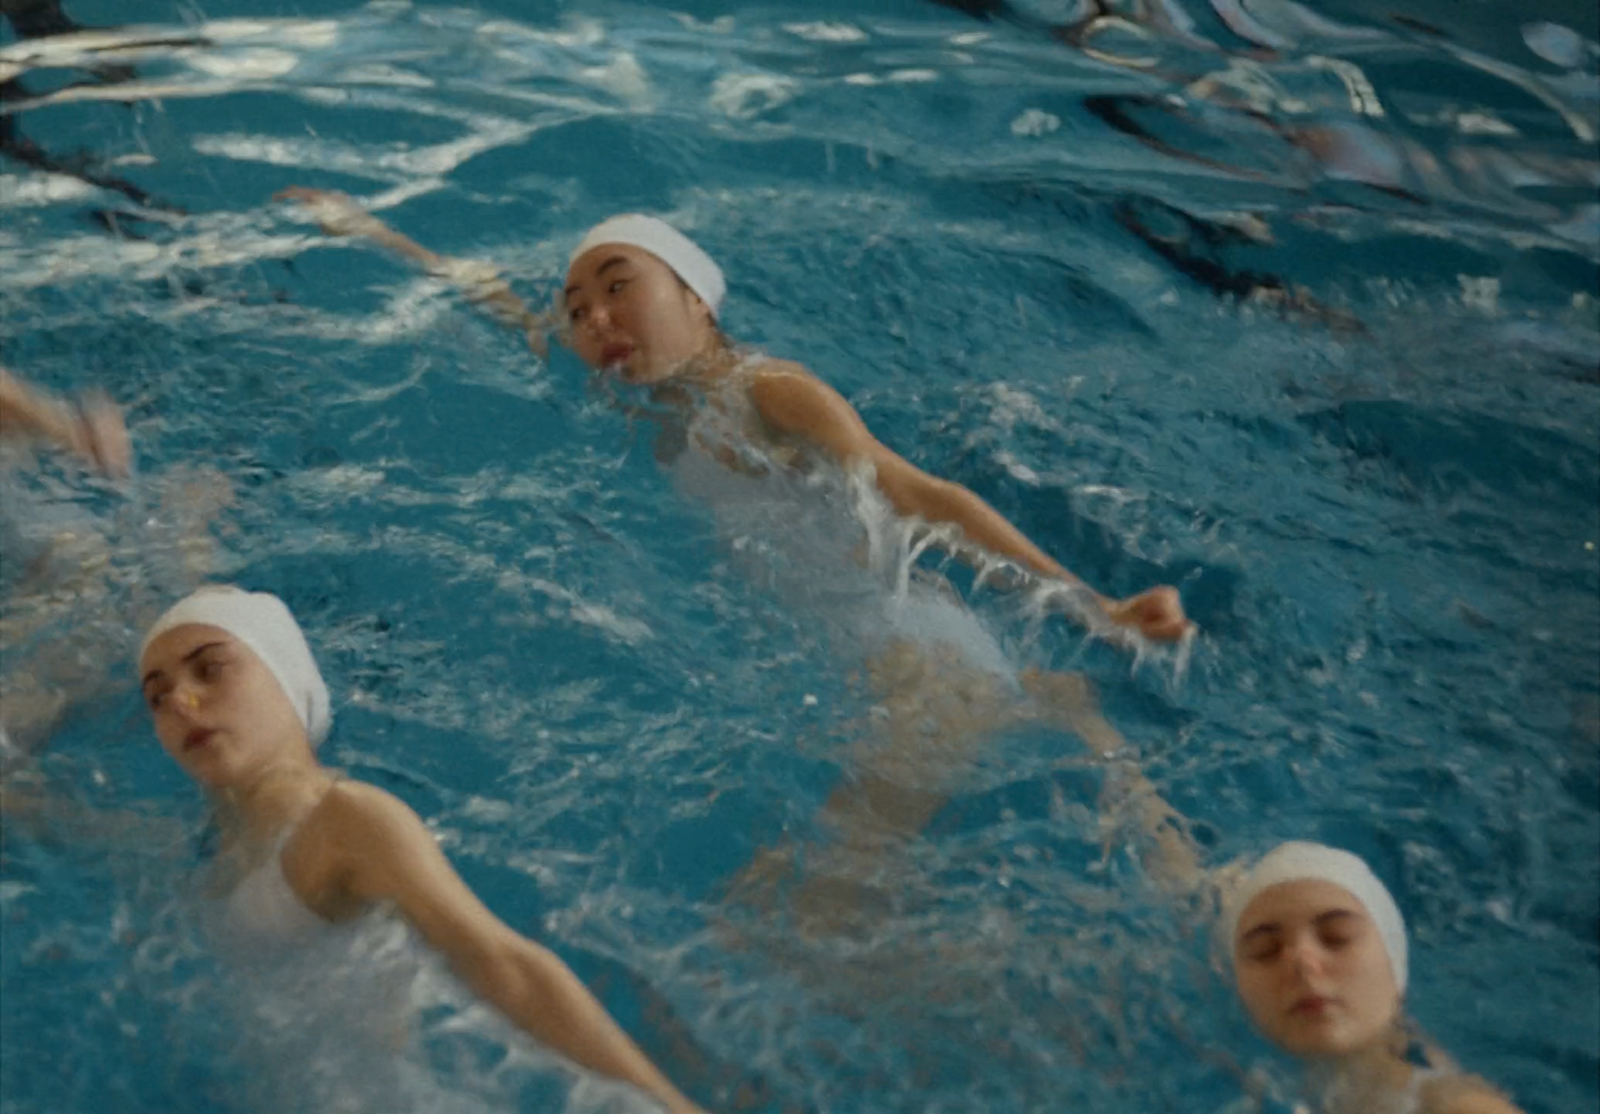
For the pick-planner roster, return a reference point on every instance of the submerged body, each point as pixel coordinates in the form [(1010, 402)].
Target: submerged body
[(239, 704), (89, 427), (51, 556)]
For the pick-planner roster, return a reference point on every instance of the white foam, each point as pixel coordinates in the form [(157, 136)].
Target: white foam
[(1035, 122), (26, 191), (743, 96), (826, 32), (1558, 45)]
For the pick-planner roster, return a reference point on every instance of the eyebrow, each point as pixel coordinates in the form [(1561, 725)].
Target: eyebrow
[(604, 267), (190, 656), (1321, 919), (1333, 915), (1258, 930)]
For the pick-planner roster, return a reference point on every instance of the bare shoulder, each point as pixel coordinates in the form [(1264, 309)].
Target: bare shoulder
[(792, 399), (776, 368), (356, 810), (1465, 1094), (782, 379), (373, 846)]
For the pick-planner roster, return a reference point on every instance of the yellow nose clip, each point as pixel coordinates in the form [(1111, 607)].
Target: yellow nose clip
[(193, 702)]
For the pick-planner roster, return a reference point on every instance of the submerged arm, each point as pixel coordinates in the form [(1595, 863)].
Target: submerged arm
[(338, 214), (388, 855), (92, 428), (795, 402)]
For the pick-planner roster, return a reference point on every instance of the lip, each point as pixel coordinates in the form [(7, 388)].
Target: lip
[(1313, 1005), (615, 354), (197, 738)]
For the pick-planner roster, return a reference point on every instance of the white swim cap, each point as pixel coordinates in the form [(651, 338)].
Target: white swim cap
[(1296, 861), (262, 622), (667, 244)]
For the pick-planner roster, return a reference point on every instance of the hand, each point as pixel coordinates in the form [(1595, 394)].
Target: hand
[(1157, 614), (336, 213), (97, 434)]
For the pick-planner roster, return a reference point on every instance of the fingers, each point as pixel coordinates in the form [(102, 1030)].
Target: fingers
[(1157, 614), (1166, 628)]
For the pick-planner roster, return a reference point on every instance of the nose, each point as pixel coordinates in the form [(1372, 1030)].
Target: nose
[(1306, 956), (184, 699), (598, 318)]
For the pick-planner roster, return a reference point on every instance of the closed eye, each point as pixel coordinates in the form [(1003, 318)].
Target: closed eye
[(1338, 928), (1264, 950)]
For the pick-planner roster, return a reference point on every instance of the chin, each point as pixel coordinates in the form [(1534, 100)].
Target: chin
[(649, 376), (1320, 1044), (628, 372), (1303, 1049), (212, 776), (211, 783)]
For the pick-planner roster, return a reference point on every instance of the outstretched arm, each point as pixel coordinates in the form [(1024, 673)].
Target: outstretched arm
[(338, 214), (795, 402), (386, 854), (92, 427)]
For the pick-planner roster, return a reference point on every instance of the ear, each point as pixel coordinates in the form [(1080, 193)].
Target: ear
[(697, 305)]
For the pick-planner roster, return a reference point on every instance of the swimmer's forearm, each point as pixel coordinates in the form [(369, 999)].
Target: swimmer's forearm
[(31, 413), (934, 500), (1156, 613), (796, 403), (403, 245), (479, 282), (545, 999)]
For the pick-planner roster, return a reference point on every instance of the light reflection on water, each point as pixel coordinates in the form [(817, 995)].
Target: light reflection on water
[(1004, 242)]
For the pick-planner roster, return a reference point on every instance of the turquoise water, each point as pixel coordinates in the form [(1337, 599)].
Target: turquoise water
[(1017, 244)]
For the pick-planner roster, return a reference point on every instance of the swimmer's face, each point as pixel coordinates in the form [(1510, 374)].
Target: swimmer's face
[(218, 710), (628, 311), (1312, 970)]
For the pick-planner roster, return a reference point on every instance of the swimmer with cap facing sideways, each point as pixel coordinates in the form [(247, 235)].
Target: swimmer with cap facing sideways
[(1318, 949), (239, 704), (641, 300)]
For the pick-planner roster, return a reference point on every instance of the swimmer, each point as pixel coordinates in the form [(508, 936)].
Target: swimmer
[(237, 701), (92, 427), (642, 301), (1319, 958)]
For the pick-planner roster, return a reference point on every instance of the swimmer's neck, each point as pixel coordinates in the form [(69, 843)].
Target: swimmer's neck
[(274, 797), (1355, 1082), (702, 372)]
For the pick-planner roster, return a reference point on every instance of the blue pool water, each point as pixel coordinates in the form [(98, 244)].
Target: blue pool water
[(1021, 240)]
